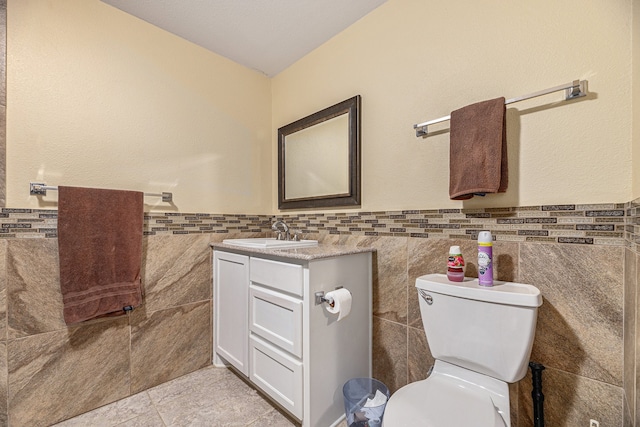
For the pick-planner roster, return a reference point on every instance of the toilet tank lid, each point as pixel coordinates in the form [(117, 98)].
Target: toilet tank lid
[(500, 293)]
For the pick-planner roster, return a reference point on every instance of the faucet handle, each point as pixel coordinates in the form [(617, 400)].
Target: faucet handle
[(296, 235)]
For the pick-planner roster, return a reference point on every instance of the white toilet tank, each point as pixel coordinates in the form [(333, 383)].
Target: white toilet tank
[(489, 330)]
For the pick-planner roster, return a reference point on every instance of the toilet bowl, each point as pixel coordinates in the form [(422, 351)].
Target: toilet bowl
[(448, 397), (481, 339)]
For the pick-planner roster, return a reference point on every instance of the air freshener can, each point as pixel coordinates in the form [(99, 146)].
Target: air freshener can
[(485, 258), (455, 264)]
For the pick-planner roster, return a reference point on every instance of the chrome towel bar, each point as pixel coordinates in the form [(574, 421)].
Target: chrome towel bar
[(40, 189), (575, 89)]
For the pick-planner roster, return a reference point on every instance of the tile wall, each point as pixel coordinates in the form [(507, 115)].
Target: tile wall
[(631, 319), (579, 256), (53, 371)]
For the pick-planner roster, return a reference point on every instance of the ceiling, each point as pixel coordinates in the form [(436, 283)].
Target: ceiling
[(264, 35)]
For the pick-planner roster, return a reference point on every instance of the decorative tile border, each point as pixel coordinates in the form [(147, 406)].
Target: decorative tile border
[(578, 224), (632, 228), (600, 224), (178, 223), (35, 223), (40, 223)]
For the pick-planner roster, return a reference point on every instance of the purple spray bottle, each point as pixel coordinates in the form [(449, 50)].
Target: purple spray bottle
[(485, 258)]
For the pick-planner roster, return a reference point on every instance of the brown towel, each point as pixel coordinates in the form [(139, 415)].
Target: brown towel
[(478, 150), (100, 251)]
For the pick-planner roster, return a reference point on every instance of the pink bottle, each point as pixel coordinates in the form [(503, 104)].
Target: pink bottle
[(455, 264)]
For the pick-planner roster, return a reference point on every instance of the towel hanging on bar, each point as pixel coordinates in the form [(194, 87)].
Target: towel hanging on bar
[(100, 252), (478, 150)]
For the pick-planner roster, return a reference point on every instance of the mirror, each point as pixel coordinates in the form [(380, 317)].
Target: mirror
[(319, 158)]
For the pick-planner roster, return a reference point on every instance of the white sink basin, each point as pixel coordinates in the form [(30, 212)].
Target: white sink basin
[(271, 243)]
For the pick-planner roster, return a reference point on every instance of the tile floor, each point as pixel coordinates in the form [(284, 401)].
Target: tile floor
[(209, 397)]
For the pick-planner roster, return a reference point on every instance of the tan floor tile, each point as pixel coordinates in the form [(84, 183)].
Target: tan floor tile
[(150, 419), (273, 419), (209, 397), (136, 406), (238, 410)]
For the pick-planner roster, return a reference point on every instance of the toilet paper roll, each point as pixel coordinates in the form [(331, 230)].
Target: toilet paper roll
[(339, 301)]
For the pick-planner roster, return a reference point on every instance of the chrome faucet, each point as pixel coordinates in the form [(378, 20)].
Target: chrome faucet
[(285, 229)]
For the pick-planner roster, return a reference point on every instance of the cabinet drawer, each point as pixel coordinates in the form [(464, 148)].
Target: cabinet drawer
[(277, 318), (277, 374), (278, 275)]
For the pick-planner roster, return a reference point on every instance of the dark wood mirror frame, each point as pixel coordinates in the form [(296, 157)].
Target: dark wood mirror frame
[(352, 197)]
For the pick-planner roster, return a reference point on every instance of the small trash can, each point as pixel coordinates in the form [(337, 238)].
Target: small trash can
[(364, 402)]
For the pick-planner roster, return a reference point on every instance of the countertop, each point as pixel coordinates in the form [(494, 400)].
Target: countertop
[(306, 254)]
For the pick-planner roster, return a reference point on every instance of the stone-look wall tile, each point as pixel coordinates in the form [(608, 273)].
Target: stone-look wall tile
[(389, 277), (57, 375), (627, 420), (629, 334), (389, 353), (4, 391), (176, 270), (3, 290), (513, 403), (571, 401), (580, 321), (389, 274), (324, 238), (428, 256), (506, 258), (219, 237), (169, 343), (34, 301), (419, 358)]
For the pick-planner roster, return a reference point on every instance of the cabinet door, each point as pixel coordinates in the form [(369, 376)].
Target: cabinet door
[(231, 302)]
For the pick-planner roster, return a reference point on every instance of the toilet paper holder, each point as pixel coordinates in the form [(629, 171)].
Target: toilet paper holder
[(320, 297)]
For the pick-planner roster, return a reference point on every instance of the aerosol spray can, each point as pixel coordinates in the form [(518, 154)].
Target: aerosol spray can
[(485, 258)]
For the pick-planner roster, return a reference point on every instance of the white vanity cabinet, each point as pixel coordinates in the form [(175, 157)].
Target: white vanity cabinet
[(298, 353)]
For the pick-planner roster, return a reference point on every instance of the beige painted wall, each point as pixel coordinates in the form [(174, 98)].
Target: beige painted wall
[(99, 98), (416, 60)]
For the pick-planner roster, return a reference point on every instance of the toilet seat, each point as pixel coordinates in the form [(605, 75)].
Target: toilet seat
[(441, 401)]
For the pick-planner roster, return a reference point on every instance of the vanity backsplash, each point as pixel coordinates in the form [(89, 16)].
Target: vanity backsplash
[(593, 224)]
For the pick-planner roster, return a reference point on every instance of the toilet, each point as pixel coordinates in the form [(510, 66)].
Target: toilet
[(481, 339)]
